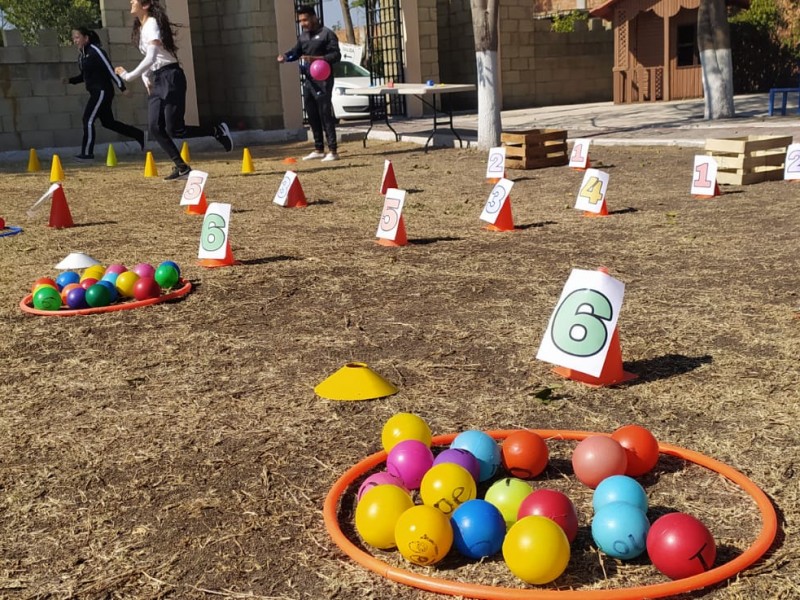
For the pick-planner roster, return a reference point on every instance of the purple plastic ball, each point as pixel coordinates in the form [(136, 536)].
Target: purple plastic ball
[(76, 298), (460, 457)]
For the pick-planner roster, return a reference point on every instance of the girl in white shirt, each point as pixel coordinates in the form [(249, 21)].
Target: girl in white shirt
[(165, 81)]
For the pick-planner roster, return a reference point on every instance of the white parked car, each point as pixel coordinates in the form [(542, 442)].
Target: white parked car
[(350, 75)]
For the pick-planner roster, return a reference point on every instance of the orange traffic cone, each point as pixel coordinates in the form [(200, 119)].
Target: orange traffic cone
[(228, 261), (717, 192), (400, 238), (60, 217), (588, 165), (388, 180), (505, 220), (603, 211), (612, 373), (296, 196), (199, 208)]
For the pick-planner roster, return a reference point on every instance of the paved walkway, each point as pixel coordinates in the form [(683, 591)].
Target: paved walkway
[(678, 123)]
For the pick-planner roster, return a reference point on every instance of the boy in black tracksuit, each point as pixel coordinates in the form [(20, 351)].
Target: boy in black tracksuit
[(100, 79), (316, 43)]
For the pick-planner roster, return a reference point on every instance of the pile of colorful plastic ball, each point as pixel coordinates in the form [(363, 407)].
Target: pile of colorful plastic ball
[(426, 505), (98, 286)]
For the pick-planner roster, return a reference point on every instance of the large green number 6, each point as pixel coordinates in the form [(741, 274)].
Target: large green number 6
[(213, 234), (578, 326)]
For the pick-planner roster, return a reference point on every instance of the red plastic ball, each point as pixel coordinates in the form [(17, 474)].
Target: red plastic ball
[(146, 288), (641, 448), (598, 457), (524, 454), (2, 223), (680, 546), (88, 282), (44, 281), (553, 505)]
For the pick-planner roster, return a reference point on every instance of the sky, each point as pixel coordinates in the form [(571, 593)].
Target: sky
[(332, 9)]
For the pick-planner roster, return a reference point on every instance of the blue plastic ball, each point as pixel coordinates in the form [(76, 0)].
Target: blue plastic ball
[(483, 447), (112, 277), (478, 529), (67, 277), (620, 530), (172, 264), (619, 488)]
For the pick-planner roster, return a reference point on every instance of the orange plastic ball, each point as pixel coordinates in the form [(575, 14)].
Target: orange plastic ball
[(641, 449), (66, 290), (43, 281), (524, 454)]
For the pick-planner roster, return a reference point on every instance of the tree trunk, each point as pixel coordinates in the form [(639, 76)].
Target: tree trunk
[(484, 26), (349, 32), (714, 45)]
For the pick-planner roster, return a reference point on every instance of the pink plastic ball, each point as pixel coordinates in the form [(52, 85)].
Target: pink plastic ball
[(681, 546), (382, 478), (553, 505), (146, 288), (320, 70), (409, 460), (144, 270), (598, 457), (116, 268)]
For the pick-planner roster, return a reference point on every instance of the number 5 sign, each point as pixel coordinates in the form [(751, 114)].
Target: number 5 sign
[(193, 194), (391, 229), (214, 235), (579, 333)]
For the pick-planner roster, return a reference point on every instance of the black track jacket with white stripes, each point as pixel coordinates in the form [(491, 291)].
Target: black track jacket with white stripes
[(96, 70)]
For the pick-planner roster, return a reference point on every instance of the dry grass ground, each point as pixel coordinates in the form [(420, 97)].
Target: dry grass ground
[(179, 451)]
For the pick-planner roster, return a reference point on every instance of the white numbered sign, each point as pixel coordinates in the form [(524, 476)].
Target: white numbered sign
[(592, 194), (46, 196), (496, 164), (392, 211), (193, 192), (791, 166), (580, 153), (497, 198), (214, 235), (580, 328), (282, 195), (704, 176)]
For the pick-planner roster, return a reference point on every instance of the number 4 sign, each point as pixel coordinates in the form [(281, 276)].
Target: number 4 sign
[(592, 195), (391, 228), (581, 334), (791, 169), (704, 177)]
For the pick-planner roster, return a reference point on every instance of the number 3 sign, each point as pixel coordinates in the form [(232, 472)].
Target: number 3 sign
[(214, 235), (581, 326)]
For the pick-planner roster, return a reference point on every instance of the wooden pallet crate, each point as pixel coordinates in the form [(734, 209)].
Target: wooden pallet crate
[(750, 159), (535, 148)]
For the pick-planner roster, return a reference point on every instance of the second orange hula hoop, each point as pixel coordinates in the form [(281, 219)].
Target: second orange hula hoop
[(456, 588)]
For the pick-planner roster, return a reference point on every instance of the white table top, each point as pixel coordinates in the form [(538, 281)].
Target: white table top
[(411, 89)]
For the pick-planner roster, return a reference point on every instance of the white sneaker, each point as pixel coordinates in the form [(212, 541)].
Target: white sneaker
[(330, 156), (314, 155)]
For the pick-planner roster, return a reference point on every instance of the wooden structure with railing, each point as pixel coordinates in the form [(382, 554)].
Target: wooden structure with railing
[(655, 49)]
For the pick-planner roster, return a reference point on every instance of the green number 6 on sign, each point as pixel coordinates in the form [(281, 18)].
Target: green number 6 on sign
[(212, 236), (579, 326)]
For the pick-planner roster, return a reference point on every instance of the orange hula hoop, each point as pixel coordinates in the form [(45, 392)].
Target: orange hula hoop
[(456, 588)]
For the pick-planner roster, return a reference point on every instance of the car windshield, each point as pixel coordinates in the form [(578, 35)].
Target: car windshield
[(347, 69)]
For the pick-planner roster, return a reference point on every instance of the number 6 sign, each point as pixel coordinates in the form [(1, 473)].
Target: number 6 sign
[(579, 333), (214, 235)]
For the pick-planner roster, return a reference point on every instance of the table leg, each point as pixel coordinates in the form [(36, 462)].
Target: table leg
[(445, 119), (377, 113)]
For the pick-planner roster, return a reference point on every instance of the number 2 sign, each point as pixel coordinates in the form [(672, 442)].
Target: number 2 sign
[(581, 326), (592, 195), (791, 166), (496, 164), (392, 216), (214, 234), (704, 176)]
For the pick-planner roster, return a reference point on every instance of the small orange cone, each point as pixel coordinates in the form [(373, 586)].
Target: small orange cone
[(186, 156), (612, 373), (60, 217), (34, 166), (603, 211), (211, 263), (400, 238), (150, 166), (297, 197), (56, 172), (588, 165), (199, 208), (247, 162), (717, 192), (289, 160), (505, 220), (389, 180)]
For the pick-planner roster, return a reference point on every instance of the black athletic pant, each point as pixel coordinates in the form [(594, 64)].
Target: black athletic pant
[(319, 110), (99, 107), (166, 107)]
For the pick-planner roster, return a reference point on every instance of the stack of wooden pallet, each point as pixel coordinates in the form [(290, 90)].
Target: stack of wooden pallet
[(535, 148), (751, 159)]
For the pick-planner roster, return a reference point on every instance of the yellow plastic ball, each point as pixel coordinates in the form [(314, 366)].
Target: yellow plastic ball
[(536, 550), (423, 535), (93, 272), (405, 426), (447, 486), (377, 513), (125, 283)]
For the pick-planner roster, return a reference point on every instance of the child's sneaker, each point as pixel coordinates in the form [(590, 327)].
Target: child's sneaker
[(223, 135)]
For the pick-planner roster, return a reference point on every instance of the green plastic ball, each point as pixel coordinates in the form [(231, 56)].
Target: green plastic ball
[(166, 276), (98, 295), (47, 298)]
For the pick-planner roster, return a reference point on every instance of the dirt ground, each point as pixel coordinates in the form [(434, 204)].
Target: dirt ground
[(179, 450)]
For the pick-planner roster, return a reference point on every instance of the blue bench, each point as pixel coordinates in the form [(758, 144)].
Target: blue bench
[(784, 92)]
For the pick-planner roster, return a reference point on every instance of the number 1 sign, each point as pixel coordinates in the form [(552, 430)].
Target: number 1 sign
[(579, 159), (582, 325), (704, 177), (791, 168)]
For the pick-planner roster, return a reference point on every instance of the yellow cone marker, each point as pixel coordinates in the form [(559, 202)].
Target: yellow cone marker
[(111, 157), (56, 172), (247, 162), (185, 155), (150, 166), (355, 381), (34, 166)]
